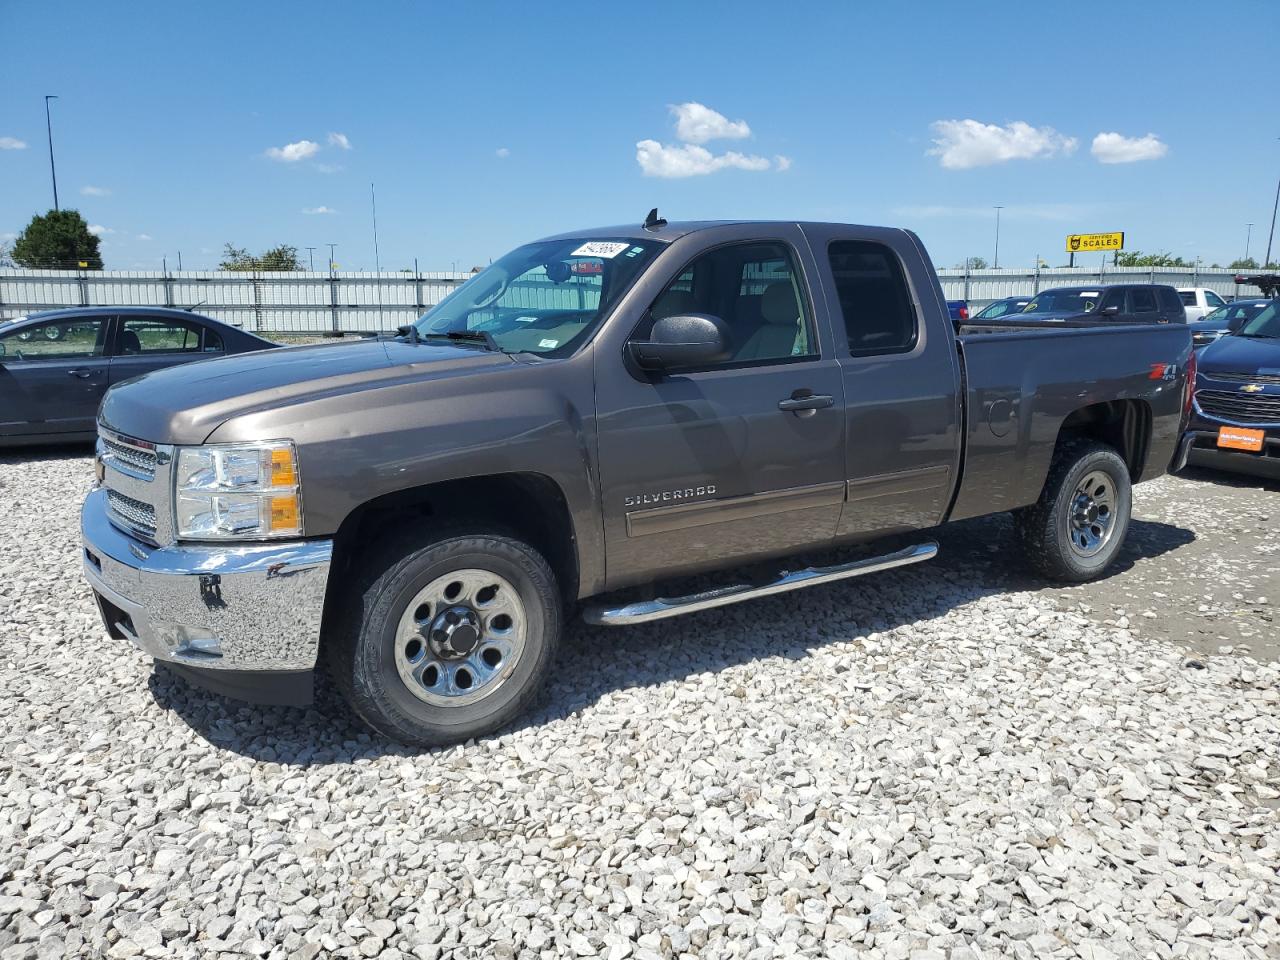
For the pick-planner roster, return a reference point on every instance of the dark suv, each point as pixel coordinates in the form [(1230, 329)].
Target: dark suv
[(1122, 302)]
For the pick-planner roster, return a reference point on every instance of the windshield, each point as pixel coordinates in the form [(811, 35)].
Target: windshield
[(1064, 301), (543, 297), (1001, 308), (1266, 324)]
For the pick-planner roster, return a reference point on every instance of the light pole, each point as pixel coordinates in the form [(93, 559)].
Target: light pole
[(311, 257), (1248, 235), (48, 125), (332, 265), (996, 260)]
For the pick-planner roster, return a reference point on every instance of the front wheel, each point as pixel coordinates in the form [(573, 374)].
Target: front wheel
[(451, 640), (1076, 528)]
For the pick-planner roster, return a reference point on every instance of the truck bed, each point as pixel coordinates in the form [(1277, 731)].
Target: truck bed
[(1023, 381)]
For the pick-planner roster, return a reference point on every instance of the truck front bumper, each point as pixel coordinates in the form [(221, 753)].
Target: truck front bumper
[(242, 619)]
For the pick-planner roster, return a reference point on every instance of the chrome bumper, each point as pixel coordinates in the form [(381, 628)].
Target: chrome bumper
[(235, 607)]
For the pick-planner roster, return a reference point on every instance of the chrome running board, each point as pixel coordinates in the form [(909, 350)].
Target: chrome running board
[(643, 611)]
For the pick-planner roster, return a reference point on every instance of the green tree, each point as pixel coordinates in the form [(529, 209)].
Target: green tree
[(1244, 263), (973, 263), (1136, 258), (283, 257), (58, 240)]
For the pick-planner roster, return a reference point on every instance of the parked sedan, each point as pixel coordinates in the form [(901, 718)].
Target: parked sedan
[(1228, 318), (55, 366)]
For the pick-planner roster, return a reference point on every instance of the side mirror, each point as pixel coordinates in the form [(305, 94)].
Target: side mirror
[(685, 340), (1109, 311)]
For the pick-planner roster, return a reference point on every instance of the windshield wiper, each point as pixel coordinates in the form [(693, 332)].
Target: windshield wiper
[(482, 337)]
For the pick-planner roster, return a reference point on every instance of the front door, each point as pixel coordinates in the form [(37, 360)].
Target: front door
[(706, 467), (53, 376)]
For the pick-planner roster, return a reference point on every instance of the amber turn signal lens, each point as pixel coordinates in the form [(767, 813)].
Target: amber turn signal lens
[(284, 473), (284, 513)]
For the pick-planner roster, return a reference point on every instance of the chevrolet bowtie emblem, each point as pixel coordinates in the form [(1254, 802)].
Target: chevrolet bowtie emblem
[(1251, 388)]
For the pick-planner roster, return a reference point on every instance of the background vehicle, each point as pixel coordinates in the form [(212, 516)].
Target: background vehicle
[(1199, 302), (1117, 303), (959, 310), (1235, 418), (56, 366), (596, 412), (1000, 308), (1228, 318)]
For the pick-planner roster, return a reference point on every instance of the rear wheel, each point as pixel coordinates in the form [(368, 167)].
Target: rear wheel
[(1076, 528), (450, 640)]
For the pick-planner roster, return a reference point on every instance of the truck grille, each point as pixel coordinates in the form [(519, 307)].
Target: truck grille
[(133, 514), (136, 458), (1240, 407), (1246, 377)]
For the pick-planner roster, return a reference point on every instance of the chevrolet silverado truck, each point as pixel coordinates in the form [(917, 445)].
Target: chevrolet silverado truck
[(596, 415)]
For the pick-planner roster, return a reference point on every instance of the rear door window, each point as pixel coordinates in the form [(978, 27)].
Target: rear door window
[(155, 335), (875, 301), (1142, 300)]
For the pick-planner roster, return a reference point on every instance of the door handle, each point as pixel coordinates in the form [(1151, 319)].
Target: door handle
[(82, 374), (803, 400)]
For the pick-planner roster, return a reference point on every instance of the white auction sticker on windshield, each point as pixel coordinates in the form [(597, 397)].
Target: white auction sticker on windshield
[(547, 344), (605, 249)]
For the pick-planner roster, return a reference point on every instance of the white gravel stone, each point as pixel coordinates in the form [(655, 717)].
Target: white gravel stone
[(945, 761)]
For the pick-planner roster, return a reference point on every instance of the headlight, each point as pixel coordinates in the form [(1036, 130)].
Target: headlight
[(237, 491)]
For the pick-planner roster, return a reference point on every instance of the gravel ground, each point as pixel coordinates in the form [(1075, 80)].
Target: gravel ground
[(946, 761)]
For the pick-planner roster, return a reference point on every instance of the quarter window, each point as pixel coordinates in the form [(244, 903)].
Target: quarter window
[(875, 301), (755, 289)]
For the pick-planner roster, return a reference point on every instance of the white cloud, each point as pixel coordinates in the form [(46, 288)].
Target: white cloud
[(696, 123), (339, 140), (293, 152), (687, 160), (318, 210), (144, 236), (1115, 148), (781, 163), (12, 143), (961, 144), (95, 191), (329, 167), (99, 230), (502, 152)]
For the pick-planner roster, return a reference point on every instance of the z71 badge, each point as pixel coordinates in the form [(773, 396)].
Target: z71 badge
[(668, 496)]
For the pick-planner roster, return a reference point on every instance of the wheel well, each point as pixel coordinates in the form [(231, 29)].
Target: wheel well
[(529, 506), (1124, 425)]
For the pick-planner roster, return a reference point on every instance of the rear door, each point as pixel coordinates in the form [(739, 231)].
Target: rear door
[(53, 376), (146, 343), (900, 374)]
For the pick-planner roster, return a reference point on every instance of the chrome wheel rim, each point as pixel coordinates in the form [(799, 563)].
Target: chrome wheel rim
[(1091, 521), (460, 637)]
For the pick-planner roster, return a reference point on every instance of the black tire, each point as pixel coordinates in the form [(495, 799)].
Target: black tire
[(1045, 529), (362, 650)]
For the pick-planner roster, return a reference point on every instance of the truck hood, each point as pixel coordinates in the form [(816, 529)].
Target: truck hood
[(1234, 354), (186, 403)]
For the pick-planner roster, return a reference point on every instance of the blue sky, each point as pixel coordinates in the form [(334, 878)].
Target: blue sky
[(487, 124)]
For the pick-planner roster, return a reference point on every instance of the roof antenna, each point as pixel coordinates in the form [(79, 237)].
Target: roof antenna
[(653, 221)]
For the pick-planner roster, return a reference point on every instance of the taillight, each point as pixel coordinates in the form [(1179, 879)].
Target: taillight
[(1191, 385), (964, 313)]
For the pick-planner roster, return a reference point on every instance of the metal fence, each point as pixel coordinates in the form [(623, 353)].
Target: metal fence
[(334, 303)]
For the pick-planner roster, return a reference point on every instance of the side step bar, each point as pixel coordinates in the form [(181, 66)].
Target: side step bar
[(643, 611)]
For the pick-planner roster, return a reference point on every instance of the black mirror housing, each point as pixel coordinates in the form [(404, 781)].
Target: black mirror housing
[(1109, 311), (684, 340)]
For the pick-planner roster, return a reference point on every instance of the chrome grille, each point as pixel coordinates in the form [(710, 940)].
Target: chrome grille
[(136, 458), (1245, 377), (1257, 408), (133, 514)]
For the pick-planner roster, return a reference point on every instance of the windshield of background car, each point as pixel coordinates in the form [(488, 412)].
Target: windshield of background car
[(544, 297), (1001, 308), (1064, 301), (1266, 324)]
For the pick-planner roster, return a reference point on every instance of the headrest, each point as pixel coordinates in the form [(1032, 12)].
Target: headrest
[(778, 304)]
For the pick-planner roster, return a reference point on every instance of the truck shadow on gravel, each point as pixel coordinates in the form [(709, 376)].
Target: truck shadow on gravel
[(975, 560)]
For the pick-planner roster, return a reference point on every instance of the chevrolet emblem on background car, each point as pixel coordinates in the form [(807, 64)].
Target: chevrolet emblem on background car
[(1252, 388)]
